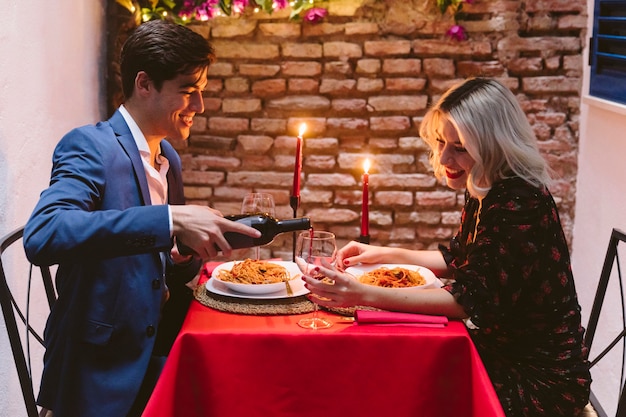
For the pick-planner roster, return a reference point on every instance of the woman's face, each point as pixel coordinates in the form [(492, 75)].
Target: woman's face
[(454, 157)]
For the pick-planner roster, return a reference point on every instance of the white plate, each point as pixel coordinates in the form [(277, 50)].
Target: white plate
[(431, 279), (259, 291)]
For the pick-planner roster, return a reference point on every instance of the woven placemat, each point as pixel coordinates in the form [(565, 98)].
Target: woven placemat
[(348, 311), (274, 306)]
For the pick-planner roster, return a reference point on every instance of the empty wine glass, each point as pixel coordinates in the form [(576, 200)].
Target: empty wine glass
[(258, 203), (315, 247)]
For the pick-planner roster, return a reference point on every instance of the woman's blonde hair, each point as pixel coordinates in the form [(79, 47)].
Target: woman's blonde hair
[(494, 130)]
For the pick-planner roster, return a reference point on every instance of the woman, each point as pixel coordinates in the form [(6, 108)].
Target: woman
[(509, 262)]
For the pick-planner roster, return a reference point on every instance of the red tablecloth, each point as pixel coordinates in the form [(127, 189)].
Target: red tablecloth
[(229, 365)]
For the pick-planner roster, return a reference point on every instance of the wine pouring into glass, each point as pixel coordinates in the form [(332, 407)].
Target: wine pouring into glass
[(314, 247)]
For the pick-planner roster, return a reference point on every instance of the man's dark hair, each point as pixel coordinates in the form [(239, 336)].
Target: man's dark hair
[(163, 50)]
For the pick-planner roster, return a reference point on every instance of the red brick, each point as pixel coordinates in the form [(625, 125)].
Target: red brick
[(369, 85), (337, 67), (322, 29), (280, 30), (386, 48), (302, 50), (236, 85), (347, 123), (334, 87), (269, 88), (255, 143), (258, 70), (307, 103), (245, 50), (241, 105), (361, 28), (268, 125), (368, 66), (303, 85), (354, 105), (228, 124), (393, 198), (233, 28), (405, 84), (390, 123), (342, 49), (301, 68), (408, 66), (398, 103), (220, 69)]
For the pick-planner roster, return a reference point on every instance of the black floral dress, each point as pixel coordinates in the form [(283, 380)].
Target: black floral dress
[(511, 273)]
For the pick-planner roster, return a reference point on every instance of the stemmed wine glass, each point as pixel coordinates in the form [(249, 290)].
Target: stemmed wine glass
[(314, 247), (258, 203)]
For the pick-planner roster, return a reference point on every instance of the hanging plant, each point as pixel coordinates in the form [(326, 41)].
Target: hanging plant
[(455, 8), (187, 11)]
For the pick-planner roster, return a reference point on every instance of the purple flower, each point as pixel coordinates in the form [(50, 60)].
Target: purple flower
[(280, 4), (457, 32), (315, 14), (469, 1)]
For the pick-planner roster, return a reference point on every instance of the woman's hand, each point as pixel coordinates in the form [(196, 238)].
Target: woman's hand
[(345, 291), (354, 253)]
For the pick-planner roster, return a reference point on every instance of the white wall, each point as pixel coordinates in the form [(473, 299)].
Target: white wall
[(51, 79), (600, 207)]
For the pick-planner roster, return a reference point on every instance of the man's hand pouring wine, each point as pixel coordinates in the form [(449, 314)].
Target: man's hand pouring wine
[(202, 230)]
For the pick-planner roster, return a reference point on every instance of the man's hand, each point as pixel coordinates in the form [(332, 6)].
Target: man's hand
[(202, 229)]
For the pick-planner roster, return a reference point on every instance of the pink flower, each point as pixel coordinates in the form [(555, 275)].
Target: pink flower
[(315, 14), (280, 4), (457, 32), (239, 5)]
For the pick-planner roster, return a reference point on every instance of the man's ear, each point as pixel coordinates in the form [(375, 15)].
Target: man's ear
[(143, 84)]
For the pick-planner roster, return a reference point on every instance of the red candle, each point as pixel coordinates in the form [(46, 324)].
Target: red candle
[(295, 191), (365, 228)]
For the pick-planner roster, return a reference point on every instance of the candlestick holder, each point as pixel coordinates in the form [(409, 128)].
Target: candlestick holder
[(294, 202), (364, 239)]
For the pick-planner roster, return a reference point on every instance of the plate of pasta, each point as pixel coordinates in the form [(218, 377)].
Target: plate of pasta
[(256, 278), (395, 276)]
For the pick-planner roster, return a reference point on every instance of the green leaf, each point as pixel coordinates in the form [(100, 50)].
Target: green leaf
[(169, 3)]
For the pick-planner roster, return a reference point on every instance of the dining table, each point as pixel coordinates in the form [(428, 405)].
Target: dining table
[(228, 362)]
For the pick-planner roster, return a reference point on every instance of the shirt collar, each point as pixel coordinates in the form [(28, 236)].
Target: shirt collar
[(138, 136)]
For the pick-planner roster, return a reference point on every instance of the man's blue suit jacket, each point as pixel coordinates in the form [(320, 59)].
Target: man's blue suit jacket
[(96, 222)]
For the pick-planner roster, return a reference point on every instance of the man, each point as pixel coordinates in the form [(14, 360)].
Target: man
[(110, 219)]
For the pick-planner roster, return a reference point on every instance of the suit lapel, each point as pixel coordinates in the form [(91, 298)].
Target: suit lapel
[(125, 138)]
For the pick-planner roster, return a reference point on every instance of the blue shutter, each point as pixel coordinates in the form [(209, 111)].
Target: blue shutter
[(608, 51)]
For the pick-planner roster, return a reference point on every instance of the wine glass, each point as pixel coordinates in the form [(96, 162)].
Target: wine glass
[(315, 247), (258, 203)]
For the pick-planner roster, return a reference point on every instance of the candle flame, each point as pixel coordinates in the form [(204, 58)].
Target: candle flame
[(366, 166), (302, 129)]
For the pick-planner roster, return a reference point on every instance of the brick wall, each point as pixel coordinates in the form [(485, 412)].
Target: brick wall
[(361, 81)]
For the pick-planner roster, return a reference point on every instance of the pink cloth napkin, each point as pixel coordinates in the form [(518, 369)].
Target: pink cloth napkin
[(391, 318)]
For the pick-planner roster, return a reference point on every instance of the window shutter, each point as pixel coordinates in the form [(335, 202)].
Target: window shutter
[(608, 51)]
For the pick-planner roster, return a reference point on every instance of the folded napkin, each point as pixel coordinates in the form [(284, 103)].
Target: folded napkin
[(362, 317)]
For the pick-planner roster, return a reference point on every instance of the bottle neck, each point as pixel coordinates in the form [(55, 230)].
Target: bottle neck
[(292, 225)]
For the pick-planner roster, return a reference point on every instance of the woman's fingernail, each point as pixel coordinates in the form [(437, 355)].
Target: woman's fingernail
[(346, 262)]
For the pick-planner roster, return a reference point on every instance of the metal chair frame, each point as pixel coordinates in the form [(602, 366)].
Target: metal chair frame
[(611, 259), (11, 311)]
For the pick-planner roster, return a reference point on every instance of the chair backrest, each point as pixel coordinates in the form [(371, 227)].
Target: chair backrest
[(607, 351), (17, 314)]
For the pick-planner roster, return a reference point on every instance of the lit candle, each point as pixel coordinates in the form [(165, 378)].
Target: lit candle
[(365, 206), (297, 169)]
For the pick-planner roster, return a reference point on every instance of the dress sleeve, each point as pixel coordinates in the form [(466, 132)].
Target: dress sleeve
[(491, 271)]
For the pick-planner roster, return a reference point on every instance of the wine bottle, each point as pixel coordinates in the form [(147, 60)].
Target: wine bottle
[(269, 227)]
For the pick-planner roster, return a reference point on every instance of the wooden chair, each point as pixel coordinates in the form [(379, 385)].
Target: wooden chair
[(611, 268), (12, 257)]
